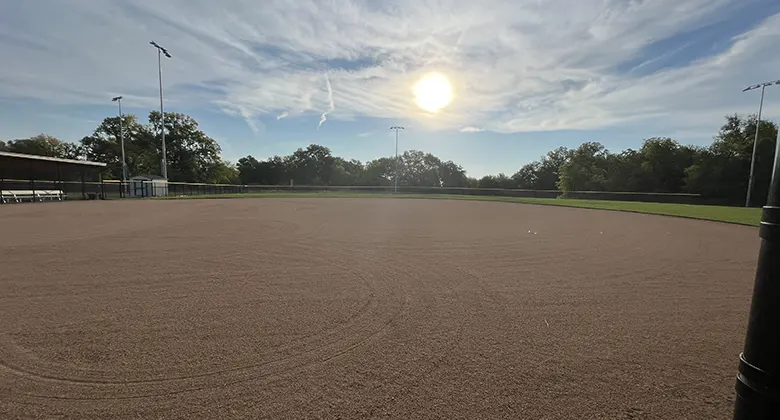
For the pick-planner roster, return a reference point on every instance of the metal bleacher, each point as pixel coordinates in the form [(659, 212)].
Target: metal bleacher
[(19, 196)]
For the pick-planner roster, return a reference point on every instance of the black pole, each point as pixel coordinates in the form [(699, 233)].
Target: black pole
[(758, 380), (83, 186)]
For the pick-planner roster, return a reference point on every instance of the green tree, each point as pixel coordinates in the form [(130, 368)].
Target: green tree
[(625, 172), (104, 145), (543, 174), (346, 172), (722, 170), (417, 168), (313, 165), (663, 164), (41, 145), (222, 172), (378, 172), (496, 181), (452, 174), (274, 171), (192, 155), (586, 169), (527, 177)]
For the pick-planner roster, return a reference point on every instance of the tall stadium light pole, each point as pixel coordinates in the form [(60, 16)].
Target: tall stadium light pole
[(758, 378), (118, 99), (396, 128), (162, 51), (755, 140)]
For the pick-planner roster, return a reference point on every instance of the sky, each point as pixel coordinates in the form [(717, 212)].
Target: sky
[(266, 77)]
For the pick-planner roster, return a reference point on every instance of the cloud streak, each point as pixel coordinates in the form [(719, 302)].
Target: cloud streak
[(516, 66), (331, 105)]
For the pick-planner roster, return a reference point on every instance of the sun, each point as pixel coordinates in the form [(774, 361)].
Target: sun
[(433, 92)]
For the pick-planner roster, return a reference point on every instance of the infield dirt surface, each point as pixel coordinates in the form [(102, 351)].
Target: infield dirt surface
[(367, 308)]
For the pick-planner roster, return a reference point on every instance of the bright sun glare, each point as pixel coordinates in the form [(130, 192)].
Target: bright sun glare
[(433, 92)]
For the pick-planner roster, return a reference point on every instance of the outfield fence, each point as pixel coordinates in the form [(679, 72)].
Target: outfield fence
[(115, 189)]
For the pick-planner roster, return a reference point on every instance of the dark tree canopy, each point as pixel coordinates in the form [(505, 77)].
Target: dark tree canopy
[(661, 165)]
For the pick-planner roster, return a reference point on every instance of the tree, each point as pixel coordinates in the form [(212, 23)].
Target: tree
[(496, 181), (548, 173), (346, 172), (274, 171), (192, 155), (528, 176), (72, 151), (586, 169), (378, 172), (722, 170), (104, 145), (452, 175), (663, 164), (543, 174), (417, 168), (625, 172), (42, 145), (222, 172), (311, 166)]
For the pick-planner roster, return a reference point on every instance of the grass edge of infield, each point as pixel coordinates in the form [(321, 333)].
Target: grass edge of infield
[(735, 215)]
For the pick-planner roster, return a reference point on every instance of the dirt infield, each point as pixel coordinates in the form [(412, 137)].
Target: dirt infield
[(367, 308)]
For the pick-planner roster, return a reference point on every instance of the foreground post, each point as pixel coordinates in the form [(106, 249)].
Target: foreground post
[(758, 381), (395, 183), (162, 51), (763, 86), (118, 99)]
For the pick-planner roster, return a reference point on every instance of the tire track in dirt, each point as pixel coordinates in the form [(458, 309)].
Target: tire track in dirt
[(385, 305), (395, 308)]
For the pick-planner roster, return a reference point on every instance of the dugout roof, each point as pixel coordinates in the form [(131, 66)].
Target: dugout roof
[(24, 167)]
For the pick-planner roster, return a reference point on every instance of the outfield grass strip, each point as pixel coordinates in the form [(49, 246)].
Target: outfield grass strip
[(737, 215)]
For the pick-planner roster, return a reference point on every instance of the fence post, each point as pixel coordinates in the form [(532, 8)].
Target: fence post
[(83, 186), (57, 178), (32, 181), (102, 187)]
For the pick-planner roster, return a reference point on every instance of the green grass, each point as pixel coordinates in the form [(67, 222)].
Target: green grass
[(738, 215)]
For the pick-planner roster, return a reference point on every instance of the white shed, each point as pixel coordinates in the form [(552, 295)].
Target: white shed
[(147, 186)]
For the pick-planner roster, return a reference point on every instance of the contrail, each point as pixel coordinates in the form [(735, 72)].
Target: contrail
[(331, 105)]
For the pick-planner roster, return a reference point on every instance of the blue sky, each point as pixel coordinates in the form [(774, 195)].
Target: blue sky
[(527, 75)]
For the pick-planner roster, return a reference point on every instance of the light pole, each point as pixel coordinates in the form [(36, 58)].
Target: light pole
[(758, 387), (160, 52), (396, 128), (118, 99), (755, 140)]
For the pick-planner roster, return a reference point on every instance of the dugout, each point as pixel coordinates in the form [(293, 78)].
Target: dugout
[(76, 178)]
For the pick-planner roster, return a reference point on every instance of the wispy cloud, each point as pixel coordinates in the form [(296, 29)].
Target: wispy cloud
[(471, 130), (331, 105), (282, 115), (366, 134), (515, 65)]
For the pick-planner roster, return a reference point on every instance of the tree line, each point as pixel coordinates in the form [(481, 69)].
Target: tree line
[(661, 165)]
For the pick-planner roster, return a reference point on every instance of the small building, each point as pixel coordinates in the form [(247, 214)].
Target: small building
[(147, 186)]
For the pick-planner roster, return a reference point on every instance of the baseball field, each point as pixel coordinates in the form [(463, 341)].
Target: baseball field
[(367, 308)]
